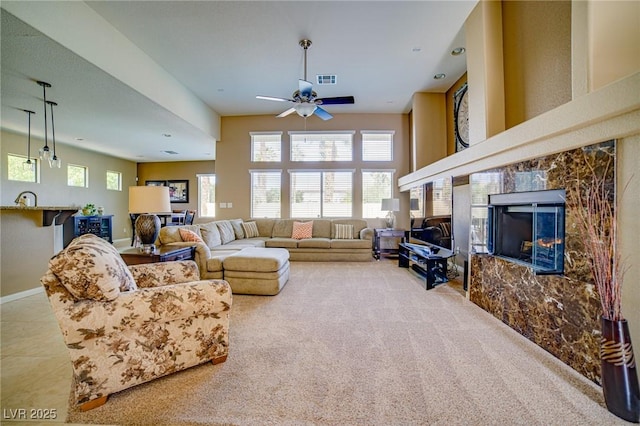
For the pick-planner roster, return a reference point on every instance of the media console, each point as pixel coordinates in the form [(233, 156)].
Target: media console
[(427, 260)]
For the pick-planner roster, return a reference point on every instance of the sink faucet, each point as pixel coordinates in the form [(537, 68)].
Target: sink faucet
[(35, 197)]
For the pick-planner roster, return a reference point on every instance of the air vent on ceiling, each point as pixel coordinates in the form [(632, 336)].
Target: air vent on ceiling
[(170, 152), (326, 79)]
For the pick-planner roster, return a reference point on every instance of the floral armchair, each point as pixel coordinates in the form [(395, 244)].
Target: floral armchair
[(128, 325)]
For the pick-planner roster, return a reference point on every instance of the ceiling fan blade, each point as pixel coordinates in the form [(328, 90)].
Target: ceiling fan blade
[(322, 113), (336, 101), (273, 98), (285, 113), (305, 87)]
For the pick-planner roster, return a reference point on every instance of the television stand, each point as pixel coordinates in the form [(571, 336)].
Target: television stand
[(429, 261)]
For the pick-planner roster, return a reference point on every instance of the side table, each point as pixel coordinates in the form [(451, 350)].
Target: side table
[(385, 233), (135, 256)]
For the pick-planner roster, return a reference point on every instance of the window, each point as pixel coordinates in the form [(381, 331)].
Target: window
[(207, 195), (442, 196), (77, 176), (377, 146), (114, 180), (482, 184), (17, 168), (376, 185), (266, 147), (321, 146), (321, 193), (265, 193)]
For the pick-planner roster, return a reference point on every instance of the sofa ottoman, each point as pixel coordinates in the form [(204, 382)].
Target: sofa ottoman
[(262, 271)]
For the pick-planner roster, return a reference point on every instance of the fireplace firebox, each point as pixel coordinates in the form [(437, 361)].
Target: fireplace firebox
[(528, 228)]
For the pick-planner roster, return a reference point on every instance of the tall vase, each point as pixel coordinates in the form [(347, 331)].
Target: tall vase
[(619, 372)]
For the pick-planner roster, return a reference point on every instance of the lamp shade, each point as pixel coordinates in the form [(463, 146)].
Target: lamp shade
[(149, 199), (390, 204)]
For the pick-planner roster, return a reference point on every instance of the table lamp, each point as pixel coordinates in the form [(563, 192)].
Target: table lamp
[(391, 205), (146, 201)]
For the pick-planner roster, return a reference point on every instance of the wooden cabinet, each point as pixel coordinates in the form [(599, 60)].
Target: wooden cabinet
[(96, 225)]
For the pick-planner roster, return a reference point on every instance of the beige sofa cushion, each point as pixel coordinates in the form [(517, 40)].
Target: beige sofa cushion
[(283, 228), (226, 231), (321, 228), (210, 234), (236, 224), (281, 242), (351, 244), (257, 260), (265, 227), (323, 243)]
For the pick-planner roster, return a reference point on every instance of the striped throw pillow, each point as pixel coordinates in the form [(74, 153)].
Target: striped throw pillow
[(302, 230), (344, 232), (250, 229), (446, 229)]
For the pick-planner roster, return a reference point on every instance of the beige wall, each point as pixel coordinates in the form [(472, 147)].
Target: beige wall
[(614, 41), (180, 170), (537, 57), (234, 152), (429, 131), (26, 244)]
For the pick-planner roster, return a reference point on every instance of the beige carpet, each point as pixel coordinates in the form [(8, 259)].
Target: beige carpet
[(364, 344)]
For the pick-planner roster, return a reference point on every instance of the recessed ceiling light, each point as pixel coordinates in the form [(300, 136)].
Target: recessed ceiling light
[(458, 51), (166, 135), (439, 76), (79, 139), (416, 49)]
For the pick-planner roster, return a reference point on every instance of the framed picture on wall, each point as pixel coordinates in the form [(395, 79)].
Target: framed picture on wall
[(178, 191), (155, 182)]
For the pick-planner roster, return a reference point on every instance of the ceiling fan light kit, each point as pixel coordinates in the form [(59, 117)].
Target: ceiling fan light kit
[(306, 101)]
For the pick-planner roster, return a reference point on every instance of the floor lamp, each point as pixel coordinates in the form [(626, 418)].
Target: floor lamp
[(146, 201)]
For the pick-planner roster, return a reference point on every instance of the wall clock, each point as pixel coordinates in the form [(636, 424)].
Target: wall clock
[(461, 117)]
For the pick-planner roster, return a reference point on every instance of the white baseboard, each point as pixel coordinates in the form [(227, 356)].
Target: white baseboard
[(21, 295)]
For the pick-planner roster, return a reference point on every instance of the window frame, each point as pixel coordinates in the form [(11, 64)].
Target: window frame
[(293, 135), (35, 172), (202, 211), (119, 175), (86, 176), (254, 135), (255, 172), (381, 213), (322, 191), (391, 133)]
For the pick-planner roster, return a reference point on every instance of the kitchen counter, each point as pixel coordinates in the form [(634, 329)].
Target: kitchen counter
[(50, 214)]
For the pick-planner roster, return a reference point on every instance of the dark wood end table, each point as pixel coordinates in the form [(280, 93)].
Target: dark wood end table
[(383, 233), (135, 255)]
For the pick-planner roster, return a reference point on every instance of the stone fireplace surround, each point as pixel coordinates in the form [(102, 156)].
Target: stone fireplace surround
[(560, 313)]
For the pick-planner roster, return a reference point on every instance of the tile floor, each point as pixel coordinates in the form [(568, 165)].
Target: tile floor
[(34, 364)]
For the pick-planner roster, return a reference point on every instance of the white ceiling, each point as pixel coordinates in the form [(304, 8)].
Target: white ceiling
[(226, 53)]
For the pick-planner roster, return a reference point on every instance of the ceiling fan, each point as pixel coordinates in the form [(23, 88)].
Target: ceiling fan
[(305, 99)]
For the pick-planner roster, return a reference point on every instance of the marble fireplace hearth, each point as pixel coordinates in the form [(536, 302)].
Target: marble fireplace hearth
[(560, 313)]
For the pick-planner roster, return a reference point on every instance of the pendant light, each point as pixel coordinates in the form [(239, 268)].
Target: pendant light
[(44, 151), (29, 165), (54, 161)]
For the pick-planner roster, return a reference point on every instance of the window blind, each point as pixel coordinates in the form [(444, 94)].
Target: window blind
[(265, 193)]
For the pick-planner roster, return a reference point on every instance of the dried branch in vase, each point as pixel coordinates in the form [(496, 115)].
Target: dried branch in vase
[(594, 204)]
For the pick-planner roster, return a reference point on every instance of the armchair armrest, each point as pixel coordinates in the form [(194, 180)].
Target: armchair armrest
[(366, 234), (89, 319), (165, 273)]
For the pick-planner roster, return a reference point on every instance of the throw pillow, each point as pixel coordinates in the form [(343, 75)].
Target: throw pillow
[(226, 231), (210, 234), (91, 268), (344, 232), (302, 230), (250, 229), (236, 224), (190, 236)]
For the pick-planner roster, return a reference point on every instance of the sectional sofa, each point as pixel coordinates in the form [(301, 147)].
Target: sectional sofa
[(331, 240)]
